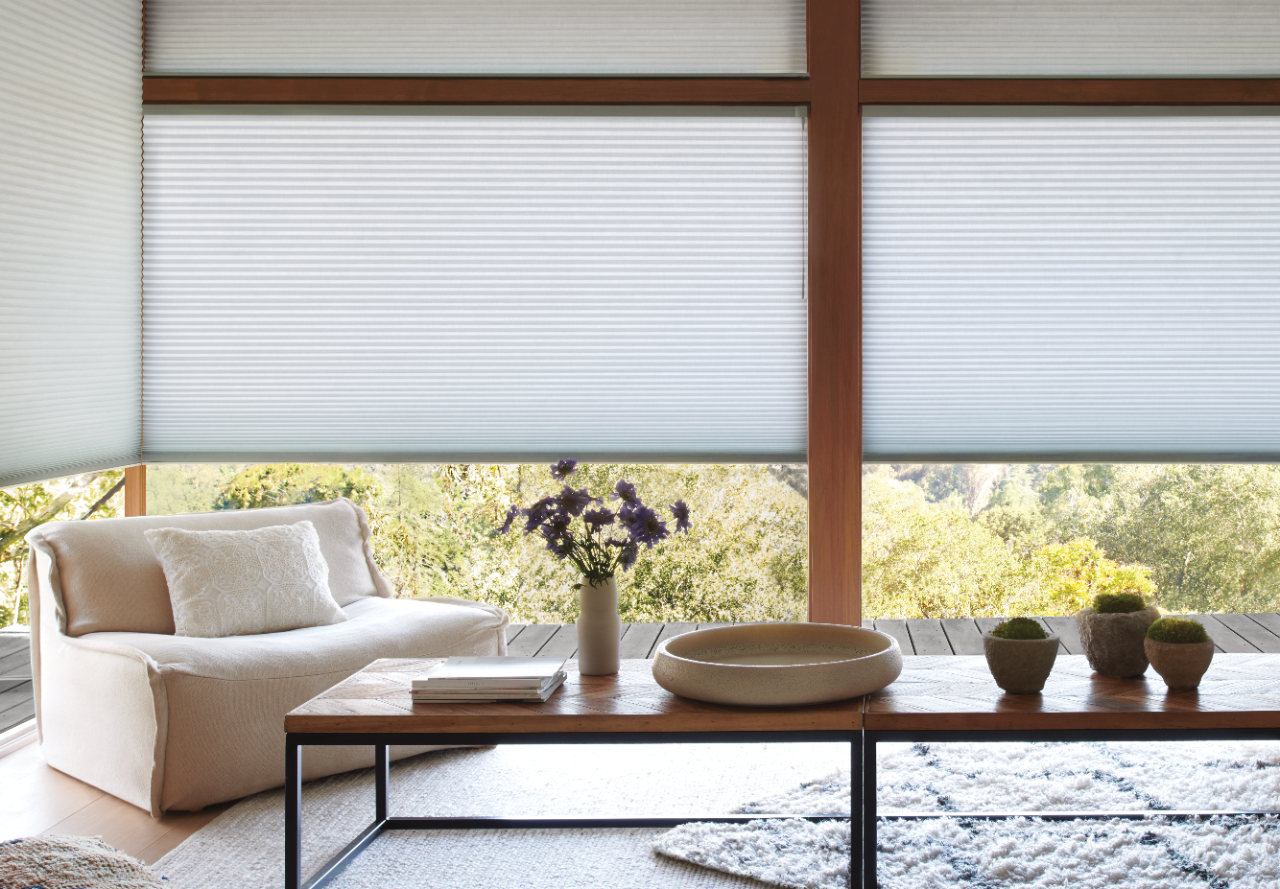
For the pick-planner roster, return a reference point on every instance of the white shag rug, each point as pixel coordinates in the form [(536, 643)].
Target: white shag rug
[(243, 847)]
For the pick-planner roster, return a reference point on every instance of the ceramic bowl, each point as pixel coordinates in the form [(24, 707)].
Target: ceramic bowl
[(777, 664)]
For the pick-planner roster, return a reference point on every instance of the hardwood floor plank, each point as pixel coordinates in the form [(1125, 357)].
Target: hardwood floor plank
[(183, 825), (124, 826), (670, 630), (927, 637), (898, 630), (1068, 633), (532, 638), (1269, 622), (16, 664), (1224, 638), (47, 796), (640, 640), (1256, 635), (563, 644), (963, 634)]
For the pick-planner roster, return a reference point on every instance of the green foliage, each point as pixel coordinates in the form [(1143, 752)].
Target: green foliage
[(182, 488), (1178, 630), (1077, 572), (279, 484), (1019, 628), (1118, 603)]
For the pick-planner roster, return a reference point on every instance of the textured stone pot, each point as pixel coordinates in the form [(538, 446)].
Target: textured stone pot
[(1020, 666), (1180, 664), (1114, 642)]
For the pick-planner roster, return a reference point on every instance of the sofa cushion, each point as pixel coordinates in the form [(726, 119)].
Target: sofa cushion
[(232, 583), (105, 577)]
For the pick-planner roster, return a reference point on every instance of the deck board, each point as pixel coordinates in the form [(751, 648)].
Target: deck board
[(1256, 635), (963, 634), (928, 638), (1224, 638)]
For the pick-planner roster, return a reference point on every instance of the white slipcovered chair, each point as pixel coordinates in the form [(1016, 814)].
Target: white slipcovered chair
[(178, 722)]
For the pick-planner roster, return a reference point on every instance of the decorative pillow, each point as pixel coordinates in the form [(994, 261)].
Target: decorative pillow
[(234, 583)]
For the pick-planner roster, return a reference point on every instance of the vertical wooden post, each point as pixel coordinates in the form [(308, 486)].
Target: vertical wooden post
[(135, 491), (835, 312)]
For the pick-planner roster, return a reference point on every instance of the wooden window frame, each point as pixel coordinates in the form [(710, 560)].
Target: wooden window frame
[(834, 93)]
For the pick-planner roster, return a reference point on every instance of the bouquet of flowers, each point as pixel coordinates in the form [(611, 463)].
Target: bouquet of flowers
[(597, 539)]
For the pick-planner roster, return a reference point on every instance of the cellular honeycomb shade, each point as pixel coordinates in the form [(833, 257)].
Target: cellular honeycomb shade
[(532, 37), (70, 220), (1097, 287), (1077, 38), (422, 286)]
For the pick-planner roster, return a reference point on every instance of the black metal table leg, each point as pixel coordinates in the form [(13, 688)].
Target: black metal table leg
[(855, 810), (869, 811), (381, 779), (292, 813)]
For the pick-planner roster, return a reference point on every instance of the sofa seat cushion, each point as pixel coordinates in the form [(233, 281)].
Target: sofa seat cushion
[(401, 628)]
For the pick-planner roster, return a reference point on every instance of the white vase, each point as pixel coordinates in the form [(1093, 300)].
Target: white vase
[(599, 627)]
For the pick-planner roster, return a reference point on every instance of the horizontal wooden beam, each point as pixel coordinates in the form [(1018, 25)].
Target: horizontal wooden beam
[(475, 91), (1074, 91)]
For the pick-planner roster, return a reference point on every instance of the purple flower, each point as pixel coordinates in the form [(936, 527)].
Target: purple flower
[(624, 491), (538, 513), (645, 527), (597, 519), (564, 469), (560, 546), (628, 556), (680, 510), (512, 512), (574, 502), (556, 524)]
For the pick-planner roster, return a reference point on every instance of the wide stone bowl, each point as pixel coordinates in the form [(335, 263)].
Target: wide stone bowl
[(778, 664)]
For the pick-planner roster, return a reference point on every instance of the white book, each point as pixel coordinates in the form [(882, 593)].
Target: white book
[(478, 697), (492, 668), (467, 685)]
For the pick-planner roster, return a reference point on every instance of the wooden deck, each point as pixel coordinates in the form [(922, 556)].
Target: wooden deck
[(1232, 633)]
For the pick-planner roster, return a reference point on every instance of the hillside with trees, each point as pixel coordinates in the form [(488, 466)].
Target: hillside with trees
[(939, 540)]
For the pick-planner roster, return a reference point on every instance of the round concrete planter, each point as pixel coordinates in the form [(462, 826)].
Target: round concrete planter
[(1020, 666), (1114, 642), (1180, 664)]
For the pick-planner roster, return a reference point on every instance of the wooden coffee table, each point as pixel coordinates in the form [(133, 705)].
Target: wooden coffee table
[(954, 699), (374, 707)]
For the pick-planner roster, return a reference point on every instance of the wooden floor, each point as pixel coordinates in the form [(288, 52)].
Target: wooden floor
[(1233, 633), (38, 799)]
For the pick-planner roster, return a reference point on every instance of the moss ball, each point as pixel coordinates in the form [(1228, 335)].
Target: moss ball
[(1019, 628), (1178, 630), (1118, 603)]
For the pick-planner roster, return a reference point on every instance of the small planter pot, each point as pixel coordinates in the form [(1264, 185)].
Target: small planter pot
[(1114, 642), (599, 627), (1180, 664), (1020, 666)]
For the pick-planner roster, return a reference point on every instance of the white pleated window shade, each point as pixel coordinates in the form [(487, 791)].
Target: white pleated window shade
[(1098, 287), (70, 222), (1077, 38), (422, 286), (530, 37)]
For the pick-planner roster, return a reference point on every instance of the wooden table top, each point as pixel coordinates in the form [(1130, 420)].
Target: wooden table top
[(1240, 691), (377, 699)]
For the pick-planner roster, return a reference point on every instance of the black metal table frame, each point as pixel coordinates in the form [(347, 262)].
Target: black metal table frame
[(383, 821), (873, 738)]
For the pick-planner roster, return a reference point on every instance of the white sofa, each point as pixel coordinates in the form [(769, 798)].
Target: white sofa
[(176, 722)]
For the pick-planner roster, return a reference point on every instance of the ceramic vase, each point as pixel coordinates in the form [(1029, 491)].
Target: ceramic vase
[(599, 627), (1114, 642), (1180, 664), (1020, 666)]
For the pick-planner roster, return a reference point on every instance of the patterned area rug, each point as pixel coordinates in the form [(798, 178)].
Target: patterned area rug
[(243, 847), (58, 862), (1223, 852)]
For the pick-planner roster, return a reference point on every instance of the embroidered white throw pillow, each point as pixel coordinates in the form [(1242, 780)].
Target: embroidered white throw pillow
[(235, 583)]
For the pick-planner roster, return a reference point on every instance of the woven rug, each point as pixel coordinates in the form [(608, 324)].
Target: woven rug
[(243, 846), (65, 862)]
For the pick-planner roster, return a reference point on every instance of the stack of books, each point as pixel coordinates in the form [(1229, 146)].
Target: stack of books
[(475, 679)]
